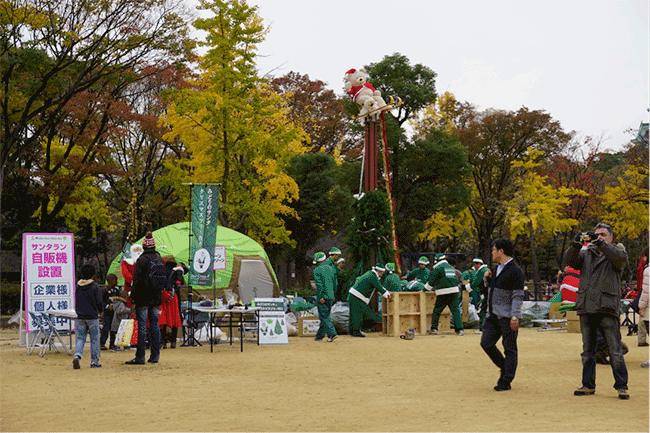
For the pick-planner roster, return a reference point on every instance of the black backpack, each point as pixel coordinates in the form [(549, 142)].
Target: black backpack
[(158, 275)]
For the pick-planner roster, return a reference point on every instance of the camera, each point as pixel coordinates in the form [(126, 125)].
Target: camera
[(587, 236)]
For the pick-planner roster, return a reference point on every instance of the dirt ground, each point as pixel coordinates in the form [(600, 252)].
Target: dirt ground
[(432, 383)]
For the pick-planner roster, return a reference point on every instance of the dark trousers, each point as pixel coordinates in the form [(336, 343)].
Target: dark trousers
[(326, 326), (495, 327), (106, 329), (611, 331), (142, 313)]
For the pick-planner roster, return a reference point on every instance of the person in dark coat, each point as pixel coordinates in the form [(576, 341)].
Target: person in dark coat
[(147, 300), (111, 290), (598, 303), (88, 306), (505, 296)]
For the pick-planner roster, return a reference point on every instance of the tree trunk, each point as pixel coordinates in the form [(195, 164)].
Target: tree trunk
[(533, 257)]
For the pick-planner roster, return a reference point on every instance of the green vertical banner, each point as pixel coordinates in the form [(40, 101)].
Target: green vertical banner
[(205, 211)]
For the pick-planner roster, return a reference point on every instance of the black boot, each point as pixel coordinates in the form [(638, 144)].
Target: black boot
[(174, 336)]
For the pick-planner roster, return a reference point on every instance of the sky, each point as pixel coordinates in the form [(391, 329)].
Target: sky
[(585, 62)]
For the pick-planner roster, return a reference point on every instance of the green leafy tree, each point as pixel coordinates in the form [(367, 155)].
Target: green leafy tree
[(323, 207), (368, 237), (435, 174), (317, 110), (536, 207), (494, 140), (63, 64), (235, 128)]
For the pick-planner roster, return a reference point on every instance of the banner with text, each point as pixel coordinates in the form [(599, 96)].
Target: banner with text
[(205, 214), (48, 269)]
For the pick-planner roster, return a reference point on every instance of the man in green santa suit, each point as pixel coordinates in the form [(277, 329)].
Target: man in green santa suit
[(478, 290), (418, 276), (359, 298), (325, 279), (334, 253), (391, 280), (443, 281)]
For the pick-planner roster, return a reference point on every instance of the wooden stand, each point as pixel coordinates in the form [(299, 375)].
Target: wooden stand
[(411, 310)]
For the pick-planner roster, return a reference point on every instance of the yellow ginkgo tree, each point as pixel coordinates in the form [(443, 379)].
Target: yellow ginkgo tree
[(235, 129), (537, 206), (626, 204)]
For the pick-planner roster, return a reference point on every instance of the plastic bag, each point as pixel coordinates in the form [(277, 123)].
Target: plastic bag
[(124, 333), (340, 315), (472, 314)]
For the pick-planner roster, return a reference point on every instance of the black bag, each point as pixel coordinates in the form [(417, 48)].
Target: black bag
[(635, 303), (158, 275)]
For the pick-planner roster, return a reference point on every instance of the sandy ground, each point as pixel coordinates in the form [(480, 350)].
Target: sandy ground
[(432, 383)]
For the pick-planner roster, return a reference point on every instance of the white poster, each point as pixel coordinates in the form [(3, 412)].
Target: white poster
[(48, 269), (272, 326)]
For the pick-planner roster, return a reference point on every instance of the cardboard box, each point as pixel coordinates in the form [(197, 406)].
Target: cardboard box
[(572, 322), (308, 326), (554, 314)]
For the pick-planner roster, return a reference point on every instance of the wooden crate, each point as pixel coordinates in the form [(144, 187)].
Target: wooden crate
[(411, 310)]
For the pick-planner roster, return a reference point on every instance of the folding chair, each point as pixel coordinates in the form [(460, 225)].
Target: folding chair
[(44, 335), (55, 332)]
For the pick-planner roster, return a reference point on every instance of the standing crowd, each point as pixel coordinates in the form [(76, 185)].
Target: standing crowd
[(151, 295)]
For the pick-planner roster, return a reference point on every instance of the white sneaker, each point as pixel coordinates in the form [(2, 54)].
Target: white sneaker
[(460, 332), (478, 332), (432, 332), (329, 340)]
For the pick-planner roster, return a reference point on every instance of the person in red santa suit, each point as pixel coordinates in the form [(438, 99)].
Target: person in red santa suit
[(128, 266), (170, 307)]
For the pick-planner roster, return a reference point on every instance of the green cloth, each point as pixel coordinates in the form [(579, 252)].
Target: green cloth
[(419, 274), (392, 282), (478, 287), (326, 281), (442, 277), (368, 283), (358, 311), (452, 300), (326, 326)]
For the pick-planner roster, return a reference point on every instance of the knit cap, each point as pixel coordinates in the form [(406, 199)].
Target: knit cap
[(148, 241)]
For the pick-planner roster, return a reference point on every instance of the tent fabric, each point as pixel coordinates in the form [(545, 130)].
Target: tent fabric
[(174, 240)]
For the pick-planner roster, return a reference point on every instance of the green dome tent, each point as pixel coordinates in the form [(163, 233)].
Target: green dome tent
[(248, 271)]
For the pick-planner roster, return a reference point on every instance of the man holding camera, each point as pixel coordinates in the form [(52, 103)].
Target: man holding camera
[(598, 302)]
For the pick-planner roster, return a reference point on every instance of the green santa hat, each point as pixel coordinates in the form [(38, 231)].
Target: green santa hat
[(423, 260), (477, 260), (379, 267), (390, 267), (334, 251), (319, 257), (440, 256)]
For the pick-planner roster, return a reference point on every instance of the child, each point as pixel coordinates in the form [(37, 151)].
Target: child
[(111, 291), (169, 309), (88, 305), (120, 311)]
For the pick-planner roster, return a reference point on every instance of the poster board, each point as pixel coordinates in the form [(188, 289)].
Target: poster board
[(272, 324), (48, 272)]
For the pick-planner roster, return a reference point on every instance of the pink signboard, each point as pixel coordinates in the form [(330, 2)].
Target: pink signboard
[(48, 270)]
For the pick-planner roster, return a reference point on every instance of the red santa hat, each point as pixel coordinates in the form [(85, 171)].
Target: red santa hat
[(148, 241), (351, 71)]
